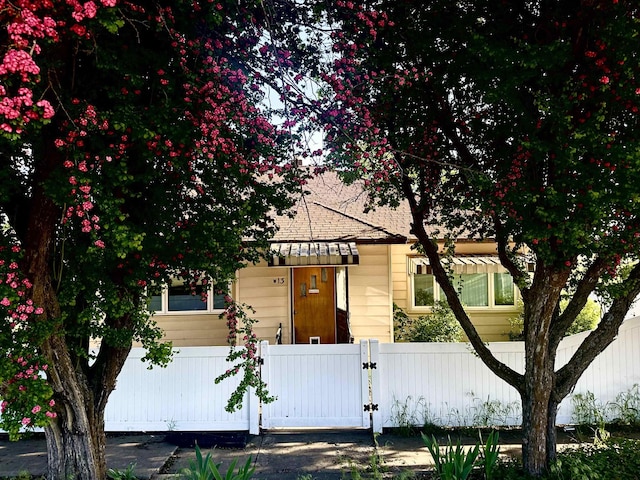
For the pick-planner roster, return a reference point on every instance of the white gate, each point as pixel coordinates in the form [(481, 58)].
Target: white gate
[(316, 385), (327, 386)]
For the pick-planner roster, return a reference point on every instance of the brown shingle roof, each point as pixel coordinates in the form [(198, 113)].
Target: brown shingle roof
[(333, 211)]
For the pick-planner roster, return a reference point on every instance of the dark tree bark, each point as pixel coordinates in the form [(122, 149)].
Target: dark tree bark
[(75, 438)]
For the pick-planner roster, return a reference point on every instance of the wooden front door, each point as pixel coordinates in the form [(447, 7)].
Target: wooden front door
[(314, 311)]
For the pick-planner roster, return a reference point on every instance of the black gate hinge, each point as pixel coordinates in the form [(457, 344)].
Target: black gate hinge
[(371, 407), (367, 365)]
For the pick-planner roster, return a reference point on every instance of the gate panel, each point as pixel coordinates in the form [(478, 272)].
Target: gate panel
[(315, 385)]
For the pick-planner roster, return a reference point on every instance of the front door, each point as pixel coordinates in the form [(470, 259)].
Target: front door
[(314, 311)]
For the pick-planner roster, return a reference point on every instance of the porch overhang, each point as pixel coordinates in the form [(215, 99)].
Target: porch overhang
[(460, 264), (313, 253)]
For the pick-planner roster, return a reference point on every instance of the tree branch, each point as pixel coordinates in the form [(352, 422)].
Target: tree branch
[(431, 250), (586, 285), (601, 337)]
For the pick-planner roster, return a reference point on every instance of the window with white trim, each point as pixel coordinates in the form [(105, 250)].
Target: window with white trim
[(480, 283), (178, 297)]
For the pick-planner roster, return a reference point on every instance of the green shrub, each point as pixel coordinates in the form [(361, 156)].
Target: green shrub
[(586, 410), (204, 468), (614, 460), (126, 474), (438, 326), (586, 320), (626, 408), (454, 463)]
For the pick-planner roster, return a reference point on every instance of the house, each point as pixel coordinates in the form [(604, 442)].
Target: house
[(334, 274)]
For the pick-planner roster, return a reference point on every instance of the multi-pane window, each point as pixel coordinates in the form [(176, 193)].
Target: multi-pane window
[(181, 297), (476, 290)]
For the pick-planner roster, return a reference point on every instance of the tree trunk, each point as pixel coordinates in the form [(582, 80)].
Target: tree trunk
[(75, 439), (538, 427), (76, 449)]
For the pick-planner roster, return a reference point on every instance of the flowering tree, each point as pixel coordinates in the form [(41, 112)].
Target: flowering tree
[(517, 121), (134, 149)]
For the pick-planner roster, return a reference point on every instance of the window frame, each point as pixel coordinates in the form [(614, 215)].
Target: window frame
[(209, 310), (492, 306)]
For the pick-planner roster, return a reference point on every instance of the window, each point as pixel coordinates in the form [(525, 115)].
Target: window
[(424, 291), (178, 297), (476, 290), (473, 289), (503, 289)]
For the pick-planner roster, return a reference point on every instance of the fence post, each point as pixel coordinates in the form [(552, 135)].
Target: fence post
[(364, 382), (254, 412), (376, 408)]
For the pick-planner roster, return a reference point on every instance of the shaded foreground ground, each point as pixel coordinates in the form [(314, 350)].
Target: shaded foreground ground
[(282, 455)]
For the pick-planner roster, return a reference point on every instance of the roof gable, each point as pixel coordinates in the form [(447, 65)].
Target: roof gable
[(334, 211)]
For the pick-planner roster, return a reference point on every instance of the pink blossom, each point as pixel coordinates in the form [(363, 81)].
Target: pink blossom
[(99, 244), (48, 111), (90, 9), (5, 302), (36, 409), (26, 420), (18, 61)]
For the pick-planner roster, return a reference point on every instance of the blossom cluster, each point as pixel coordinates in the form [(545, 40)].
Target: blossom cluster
[(13, 289), (29, 25), (26, 397), (246, 357), (80, 166)]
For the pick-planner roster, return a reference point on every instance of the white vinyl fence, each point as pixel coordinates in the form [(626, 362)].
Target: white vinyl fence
[(316, 387), (367, 385), (180, 397), (362, 385)]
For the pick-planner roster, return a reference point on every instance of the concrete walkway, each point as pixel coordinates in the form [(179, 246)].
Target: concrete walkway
[(276, 455), (322, 454)]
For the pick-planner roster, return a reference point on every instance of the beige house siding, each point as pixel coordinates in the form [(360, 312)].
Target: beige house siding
[(193, 329), (380, 279), (492, 324), (266, 290), (370, 294)]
